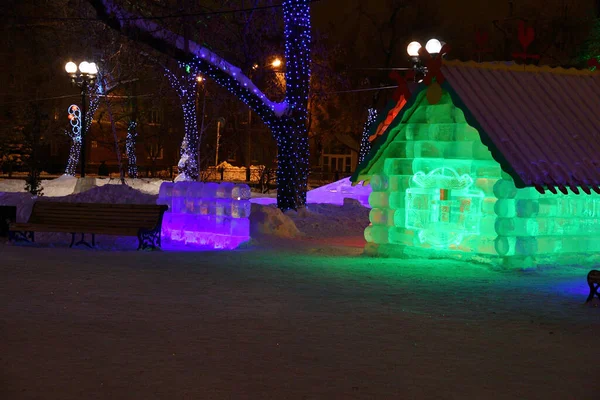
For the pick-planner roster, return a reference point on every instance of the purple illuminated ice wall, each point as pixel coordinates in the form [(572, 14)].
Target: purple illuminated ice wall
[(206, 214)]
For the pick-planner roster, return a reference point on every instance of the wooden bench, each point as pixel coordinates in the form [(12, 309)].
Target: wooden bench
[(593, 280), (141, 220)]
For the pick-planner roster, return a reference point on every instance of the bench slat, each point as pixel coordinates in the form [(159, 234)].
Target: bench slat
[(68, 229), (115, 219)]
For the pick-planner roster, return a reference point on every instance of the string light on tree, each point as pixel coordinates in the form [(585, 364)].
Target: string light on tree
[(75, 135), (365, 144), (130, 142), (184, 82)]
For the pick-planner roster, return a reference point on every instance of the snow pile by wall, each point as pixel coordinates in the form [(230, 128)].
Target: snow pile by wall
[(115, 194), (330, 220), (149, 186), (65, 185), (61, 186), (207, 214), (268, 220), (12, 185)]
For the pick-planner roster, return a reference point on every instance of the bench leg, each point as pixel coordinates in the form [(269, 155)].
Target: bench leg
[(21, 236), (82, 241), (149, 239), (593, 291)]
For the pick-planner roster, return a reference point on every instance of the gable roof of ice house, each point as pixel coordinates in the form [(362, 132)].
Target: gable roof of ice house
[(542, 124)]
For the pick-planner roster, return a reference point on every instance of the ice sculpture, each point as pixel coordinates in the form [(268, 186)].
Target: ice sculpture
[(432, 184), (442, 208), (206, 214), (336, 192), (436, 189)]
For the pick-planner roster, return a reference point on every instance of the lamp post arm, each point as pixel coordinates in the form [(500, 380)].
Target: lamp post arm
[(83, 126)]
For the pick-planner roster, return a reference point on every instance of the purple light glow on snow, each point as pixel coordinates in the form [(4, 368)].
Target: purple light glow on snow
[(333, 193)]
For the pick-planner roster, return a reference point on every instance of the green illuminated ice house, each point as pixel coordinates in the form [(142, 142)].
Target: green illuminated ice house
[(501, 162)]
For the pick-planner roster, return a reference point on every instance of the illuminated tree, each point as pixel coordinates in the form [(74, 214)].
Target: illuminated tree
[(184, 82), (130, 144), (75, 132), (286, 119)]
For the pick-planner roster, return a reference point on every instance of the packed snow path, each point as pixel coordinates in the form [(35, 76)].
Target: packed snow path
[(292, 321)]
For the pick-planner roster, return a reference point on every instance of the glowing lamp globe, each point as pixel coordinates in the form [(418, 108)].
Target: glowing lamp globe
[(83, 67), (413, 49), (71, 67), (92, 69), (276, 63), (433, 46)]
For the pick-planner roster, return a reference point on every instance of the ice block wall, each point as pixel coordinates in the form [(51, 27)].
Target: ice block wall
[(551, 225), (434, 189), (206, 214)]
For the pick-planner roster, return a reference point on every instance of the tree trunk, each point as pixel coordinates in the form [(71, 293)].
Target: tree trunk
[(116, 138), (130, 146), (188, 164), (75, 134), (292, 163)]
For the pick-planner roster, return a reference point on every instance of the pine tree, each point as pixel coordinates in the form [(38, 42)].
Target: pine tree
[(591, 47)]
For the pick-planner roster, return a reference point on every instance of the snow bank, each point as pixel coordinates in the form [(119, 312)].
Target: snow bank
[(148, 186), (65, 185), (116, 194), (268, 220), (12, 185), (330, 220), (62, 186), (319, 221)]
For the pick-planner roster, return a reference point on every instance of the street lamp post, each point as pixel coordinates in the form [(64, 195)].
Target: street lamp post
[(201, 84), (275, 64), (433, 47), (84, 77)]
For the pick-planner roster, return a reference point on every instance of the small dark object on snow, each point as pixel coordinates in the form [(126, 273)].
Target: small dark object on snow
[(103, 169), (8, 214), (593, 280)]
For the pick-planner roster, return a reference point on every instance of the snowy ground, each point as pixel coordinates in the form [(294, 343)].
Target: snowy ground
[(302, 318)]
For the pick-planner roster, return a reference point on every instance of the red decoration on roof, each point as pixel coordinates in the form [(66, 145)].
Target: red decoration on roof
[(481, 39), (402, 90), (526, 36), (593, 63), (434, 65)]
